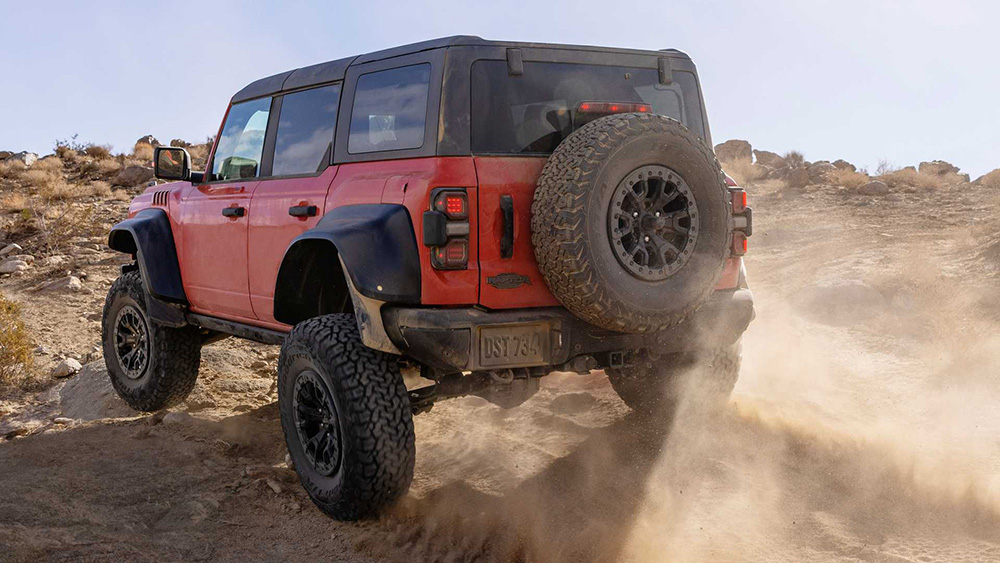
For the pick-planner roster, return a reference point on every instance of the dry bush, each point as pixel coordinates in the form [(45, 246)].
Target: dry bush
[(744, 173), (143, 152), (794, 159), (105, 169), (97, 188), (66, 153), (11, 169), (910, 177), (16, 347), (53, 225), (99, 152), (848, 178), (51, 164), (14, 202), (119, 195), (199, 155)]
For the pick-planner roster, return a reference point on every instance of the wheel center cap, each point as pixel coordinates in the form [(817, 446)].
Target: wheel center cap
[(650, 223)]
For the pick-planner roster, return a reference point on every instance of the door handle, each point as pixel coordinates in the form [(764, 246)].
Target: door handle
[(303, 211), (234, 212), (507, 238)]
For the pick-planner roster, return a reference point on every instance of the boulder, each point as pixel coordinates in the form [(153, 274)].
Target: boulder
[(842, 164), (797, 178), (5, 154), (24, 157), (10, 249), (769, 159), (990, 179), (12, 266), (875, 187), (68, 283), (819, 171), (734, 150), (179, 143), (937, 168), (148, 140), (90, 396), (67, 368), (133, 175)]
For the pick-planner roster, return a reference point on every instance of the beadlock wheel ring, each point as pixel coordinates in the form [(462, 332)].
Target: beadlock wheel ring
[(653, 222), (131, 342)]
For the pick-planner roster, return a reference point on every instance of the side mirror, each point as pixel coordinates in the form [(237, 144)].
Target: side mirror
[(171, 163)]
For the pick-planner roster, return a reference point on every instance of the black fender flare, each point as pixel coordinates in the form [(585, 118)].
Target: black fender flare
[(148, 237), (377, 246)]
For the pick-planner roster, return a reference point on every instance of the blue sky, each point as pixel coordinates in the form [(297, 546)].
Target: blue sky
[(862, 80)]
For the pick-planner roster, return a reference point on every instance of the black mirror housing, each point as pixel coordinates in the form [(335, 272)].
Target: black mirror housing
[(171, 163)]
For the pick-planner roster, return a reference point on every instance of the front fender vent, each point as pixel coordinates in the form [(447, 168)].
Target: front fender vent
[(160, 198)]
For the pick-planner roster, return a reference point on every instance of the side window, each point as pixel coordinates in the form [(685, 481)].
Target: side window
[(242, 141), (390, 108), (305, 131)]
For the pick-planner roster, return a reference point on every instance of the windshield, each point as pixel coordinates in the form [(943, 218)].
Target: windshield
[(534, 112)]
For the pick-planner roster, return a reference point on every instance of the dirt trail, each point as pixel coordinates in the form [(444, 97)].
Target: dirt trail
[(863, 428)]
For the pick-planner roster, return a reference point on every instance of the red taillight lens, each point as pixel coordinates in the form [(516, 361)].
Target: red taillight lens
[(739, 243), (452, 256), (613, 107), (739, 200), (453, 204)]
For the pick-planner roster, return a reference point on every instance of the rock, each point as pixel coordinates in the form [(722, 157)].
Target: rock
[(4, 155), (177, 418), (842, 164), (62, 420), (13, 266), (133, 175), (93, 316), (797, 178), (24, 157), (148, 140), (937, 168), (90, 396), (68, 283), (57, 260), (27, 258), (734, 150), (11, 249), (819, 171), (258, 364), (179, 143), (769, 159), (66, 368), (875, 187), (274, 485), (990, 179)]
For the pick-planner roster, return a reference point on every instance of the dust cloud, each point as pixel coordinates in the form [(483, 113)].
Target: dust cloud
[(864, 425)]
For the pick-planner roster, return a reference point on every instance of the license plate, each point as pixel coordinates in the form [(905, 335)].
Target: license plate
[(514, 346)]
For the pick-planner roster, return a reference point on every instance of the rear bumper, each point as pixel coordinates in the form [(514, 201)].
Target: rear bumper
[(450, 339)]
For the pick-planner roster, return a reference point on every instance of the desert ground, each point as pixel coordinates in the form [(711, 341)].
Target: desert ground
[(864, 426)]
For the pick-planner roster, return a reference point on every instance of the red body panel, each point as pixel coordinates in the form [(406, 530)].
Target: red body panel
[(410, 182), (272, 230), (516, 177)]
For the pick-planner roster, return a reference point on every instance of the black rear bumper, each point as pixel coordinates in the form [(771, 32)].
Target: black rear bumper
[(450, 339)]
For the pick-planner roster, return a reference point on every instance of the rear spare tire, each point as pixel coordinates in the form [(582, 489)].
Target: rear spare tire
[(631, 222)]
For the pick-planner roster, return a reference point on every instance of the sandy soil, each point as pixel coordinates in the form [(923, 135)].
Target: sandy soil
[(863, 427)]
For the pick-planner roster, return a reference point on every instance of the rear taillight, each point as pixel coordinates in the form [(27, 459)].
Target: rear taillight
[(742, 220), (446, 229), (608, 108)]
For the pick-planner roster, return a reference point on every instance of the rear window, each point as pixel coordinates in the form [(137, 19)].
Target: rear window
[(390, 108), (534, 112)]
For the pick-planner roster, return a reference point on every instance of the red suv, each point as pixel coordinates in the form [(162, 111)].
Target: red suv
[(476, 212)]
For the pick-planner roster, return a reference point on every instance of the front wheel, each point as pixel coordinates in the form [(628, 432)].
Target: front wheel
[(152, 367), (706, 377), (346, 417)]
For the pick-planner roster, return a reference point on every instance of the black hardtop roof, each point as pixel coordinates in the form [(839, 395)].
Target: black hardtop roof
[(336, 70)]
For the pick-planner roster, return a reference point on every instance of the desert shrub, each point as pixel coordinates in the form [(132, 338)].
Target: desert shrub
[(143, 152), (794, 159), (885, 167), (744, 173), (14, 202), (97, 188), (98, 152), (16, 347), (910, 177), (55, 224), (848, 178), (199, 155), (51, 164), (119, 195), (11, 169)]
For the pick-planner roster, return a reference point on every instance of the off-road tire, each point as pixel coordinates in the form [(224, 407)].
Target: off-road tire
[(174, 353), (570, 231), (704, 378), (373, 414)]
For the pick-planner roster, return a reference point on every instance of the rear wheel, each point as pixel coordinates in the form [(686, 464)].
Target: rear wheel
[(346, 417), (152, 367), (705, 378)]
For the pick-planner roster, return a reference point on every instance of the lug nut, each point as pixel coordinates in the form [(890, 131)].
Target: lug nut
[(647, 239)]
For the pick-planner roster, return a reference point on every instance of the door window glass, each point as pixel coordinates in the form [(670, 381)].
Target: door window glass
[(239, 149), (305, 131), (390, 108)]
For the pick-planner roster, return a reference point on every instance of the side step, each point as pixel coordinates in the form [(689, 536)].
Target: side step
[(239, 330)]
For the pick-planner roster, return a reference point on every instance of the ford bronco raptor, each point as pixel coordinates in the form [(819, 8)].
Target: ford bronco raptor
[(477, 213)]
